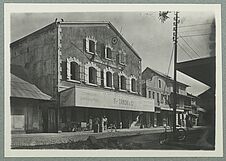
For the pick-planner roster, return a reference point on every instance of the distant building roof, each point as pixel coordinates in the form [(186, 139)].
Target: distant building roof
[(23, 89), (163, 75), (202, 69)]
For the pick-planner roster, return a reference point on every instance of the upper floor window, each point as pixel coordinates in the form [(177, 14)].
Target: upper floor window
[(75, 72), (122, 57), (108, 77), (91, 45), (92, 75), (160, 84), (122, 81), (162, 98), (158, 97), (73, 69), (153, 95), (149, 94), (133, 84), (108, 52)]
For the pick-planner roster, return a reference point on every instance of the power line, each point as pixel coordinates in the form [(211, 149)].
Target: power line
[(171, 57), (195, 30), (190, 47), (195, 43), (194, 25), (195, 35), (185, 51)]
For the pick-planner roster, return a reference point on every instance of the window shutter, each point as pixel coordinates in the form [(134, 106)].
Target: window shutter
[(87, 45), (102, 78), (116, 80), (128, 84), (120, 58), (64, 70), (68, 69), (86, 75), (105, 79), (103, 51), (98, 77), (82, 73)]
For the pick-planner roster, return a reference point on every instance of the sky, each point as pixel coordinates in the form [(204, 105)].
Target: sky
[(151, 38)]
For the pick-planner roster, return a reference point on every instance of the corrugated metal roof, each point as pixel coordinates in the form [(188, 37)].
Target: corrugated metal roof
[(23, 89)]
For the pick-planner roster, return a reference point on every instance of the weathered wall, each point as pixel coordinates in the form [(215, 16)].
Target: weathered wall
[(30, 110), (73, 45), (37, 54)]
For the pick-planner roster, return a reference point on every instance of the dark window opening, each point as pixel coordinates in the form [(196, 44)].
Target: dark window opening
[(149, 94), (133, 85), (108, 79), (75, 71), (109, 53), (91, 46), (92, 75), (123, 82), (160, 84), (153, 95), (158, 97)]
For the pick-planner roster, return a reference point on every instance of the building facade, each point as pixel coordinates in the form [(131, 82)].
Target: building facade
[(90, 71), (159, 87), (28, 108)]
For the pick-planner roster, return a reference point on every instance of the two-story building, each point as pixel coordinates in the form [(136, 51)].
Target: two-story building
[(158, 86), (88, 68)]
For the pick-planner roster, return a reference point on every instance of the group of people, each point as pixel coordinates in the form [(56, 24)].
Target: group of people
[(97, 124)]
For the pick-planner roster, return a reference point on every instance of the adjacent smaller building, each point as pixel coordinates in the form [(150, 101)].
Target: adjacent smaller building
[(159, 87), (28, 107)]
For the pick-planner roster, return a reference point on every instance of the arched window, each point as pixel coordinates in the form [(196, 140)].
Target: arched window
[(133, 85), (92, 75), (108, 79), (122, 57), (160, 84), (91, 45), (75, 71), (122, 82), (108, 52)]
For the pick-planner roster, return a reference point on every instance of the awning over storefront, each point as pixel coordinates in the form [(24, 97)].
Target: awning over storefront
[(99, 98)]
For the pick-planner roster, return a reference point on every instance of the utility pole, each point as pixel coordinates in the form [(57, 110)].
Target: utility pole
[(175, 26)]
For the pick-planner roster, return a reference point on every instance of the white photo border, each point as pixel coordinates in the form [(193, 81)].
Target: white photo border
[(61, 7)]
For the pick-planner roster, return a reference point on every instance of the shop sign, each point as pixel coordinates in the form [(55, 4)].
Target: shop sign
[(94, 98)]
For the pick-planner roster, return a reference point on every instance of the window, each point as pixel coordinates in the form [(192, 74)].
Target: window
[(75, 71), (122, 82), (162, 98), (160, 84), (108, 52), (167, 100), (149, 94), (153, 95), (109, 79), (158, 97), (133, 85), (91, 45), (92, 75), (122, 57)]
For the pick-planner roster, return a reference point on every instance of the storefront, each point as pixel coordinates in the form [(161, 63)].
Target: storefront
[(83, 104)]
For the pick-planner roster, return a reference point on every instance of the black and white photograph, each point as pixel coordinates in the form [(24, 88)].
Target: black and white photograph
[(138, 80)]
